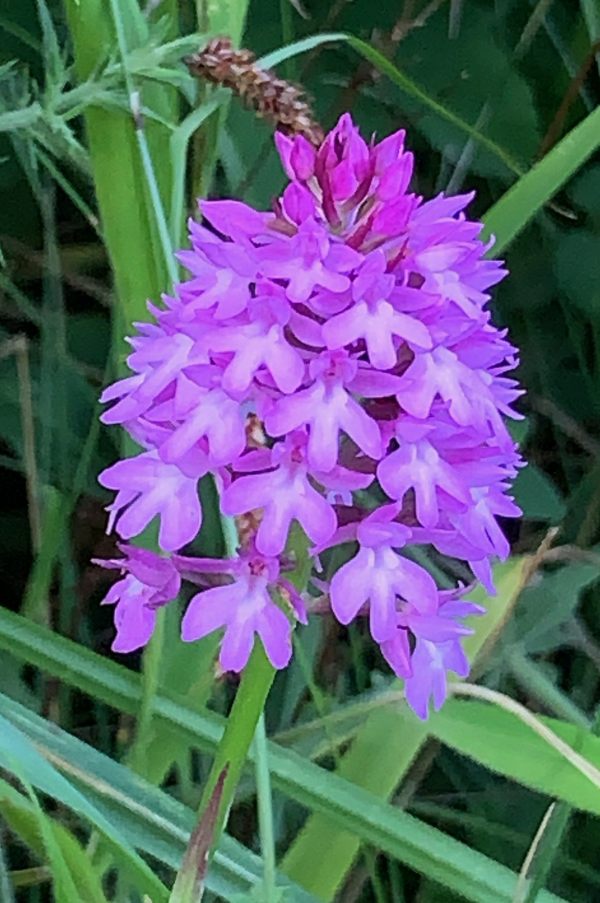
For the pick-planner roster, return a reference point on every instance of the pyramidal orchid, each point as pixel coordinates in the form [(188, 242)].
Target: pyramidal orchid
[(351, 323)]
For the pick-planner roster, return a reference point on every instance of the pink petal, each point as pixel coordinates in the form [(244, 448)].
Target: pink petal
[(274, 630), (208, 611), (350, 588), (236, 646)]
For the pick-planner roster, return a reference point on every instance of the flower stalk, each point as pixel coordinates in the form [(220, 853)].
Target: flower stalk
[(239, 733)]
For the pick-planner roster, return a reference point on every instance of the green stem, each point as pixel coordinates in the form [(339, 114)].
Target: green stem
[(265, 811), (239, 732), (146, 159), (250, 698), (126, 214)]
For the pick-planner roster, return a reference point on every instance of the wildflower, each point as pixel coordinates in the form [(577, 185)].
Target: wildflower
[(147, 487), (437, 649), (149, 582), (244, 607), (351, 323)]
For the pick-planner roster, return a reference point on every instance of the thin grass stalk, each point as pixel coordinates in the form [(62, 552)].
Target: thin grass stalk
[(552, 840), (125, 208), (265, 811)]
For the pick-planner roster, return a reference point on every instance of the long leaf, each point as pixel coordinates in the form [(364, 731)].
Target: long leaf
[(154, 822), (421, 847), (523, 201), (500, 741), (15, 747)]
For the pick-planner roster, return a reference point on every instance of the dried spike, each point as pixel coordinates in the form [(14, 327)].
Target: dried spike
[(274, 99)]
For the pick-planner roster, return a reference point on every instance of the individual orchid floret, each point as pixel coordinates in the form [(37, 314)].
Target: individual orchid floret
[(259, 343), (211, 414), (378, 576), (419, 466), (250, 605), (147, 583), (328, 408), (149, 488), (285, 493), (310, 259), (374, 319), (159, 359), (223, 274), (436, 639)]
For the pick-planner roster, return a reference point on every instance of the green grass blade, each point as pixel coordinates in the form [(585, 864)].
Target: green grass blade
[(406, 84), (226, 17), (265, 810), (179, 144), (500, 741), (402, 81), (62, 877), (35, 830), (16, 747), (6, 887), (154, 822), (524, 200), (422, 848), (127, 220), (383, 751)]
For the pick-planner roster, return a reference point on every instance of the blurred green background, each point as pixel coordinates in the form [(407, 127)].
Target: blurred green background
[(485, 90)]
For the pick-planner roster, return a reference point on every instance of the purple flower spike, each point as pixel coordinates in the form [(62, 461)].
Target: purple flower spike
[(334, 364)]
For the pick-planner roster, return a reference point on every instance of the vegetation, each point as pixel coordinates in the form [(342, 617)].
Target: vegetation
[(105, 760)]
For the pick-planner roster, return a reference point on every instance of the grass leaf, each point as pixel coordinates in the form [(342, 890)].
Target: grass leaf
[(424, 849), (524, 200), (500, 741), (15, 747)]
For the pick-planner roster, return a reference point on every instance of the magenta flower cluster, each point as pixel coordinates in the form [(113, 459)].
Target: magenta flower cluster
[(351, 322)]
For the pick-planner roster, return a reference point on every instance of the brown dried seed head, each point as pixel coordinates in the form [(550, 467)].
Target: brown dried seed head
[(274, 99)]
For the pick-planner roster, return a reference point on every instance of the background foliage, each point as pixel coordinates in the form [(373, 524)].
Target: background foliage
[(102, 762)]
